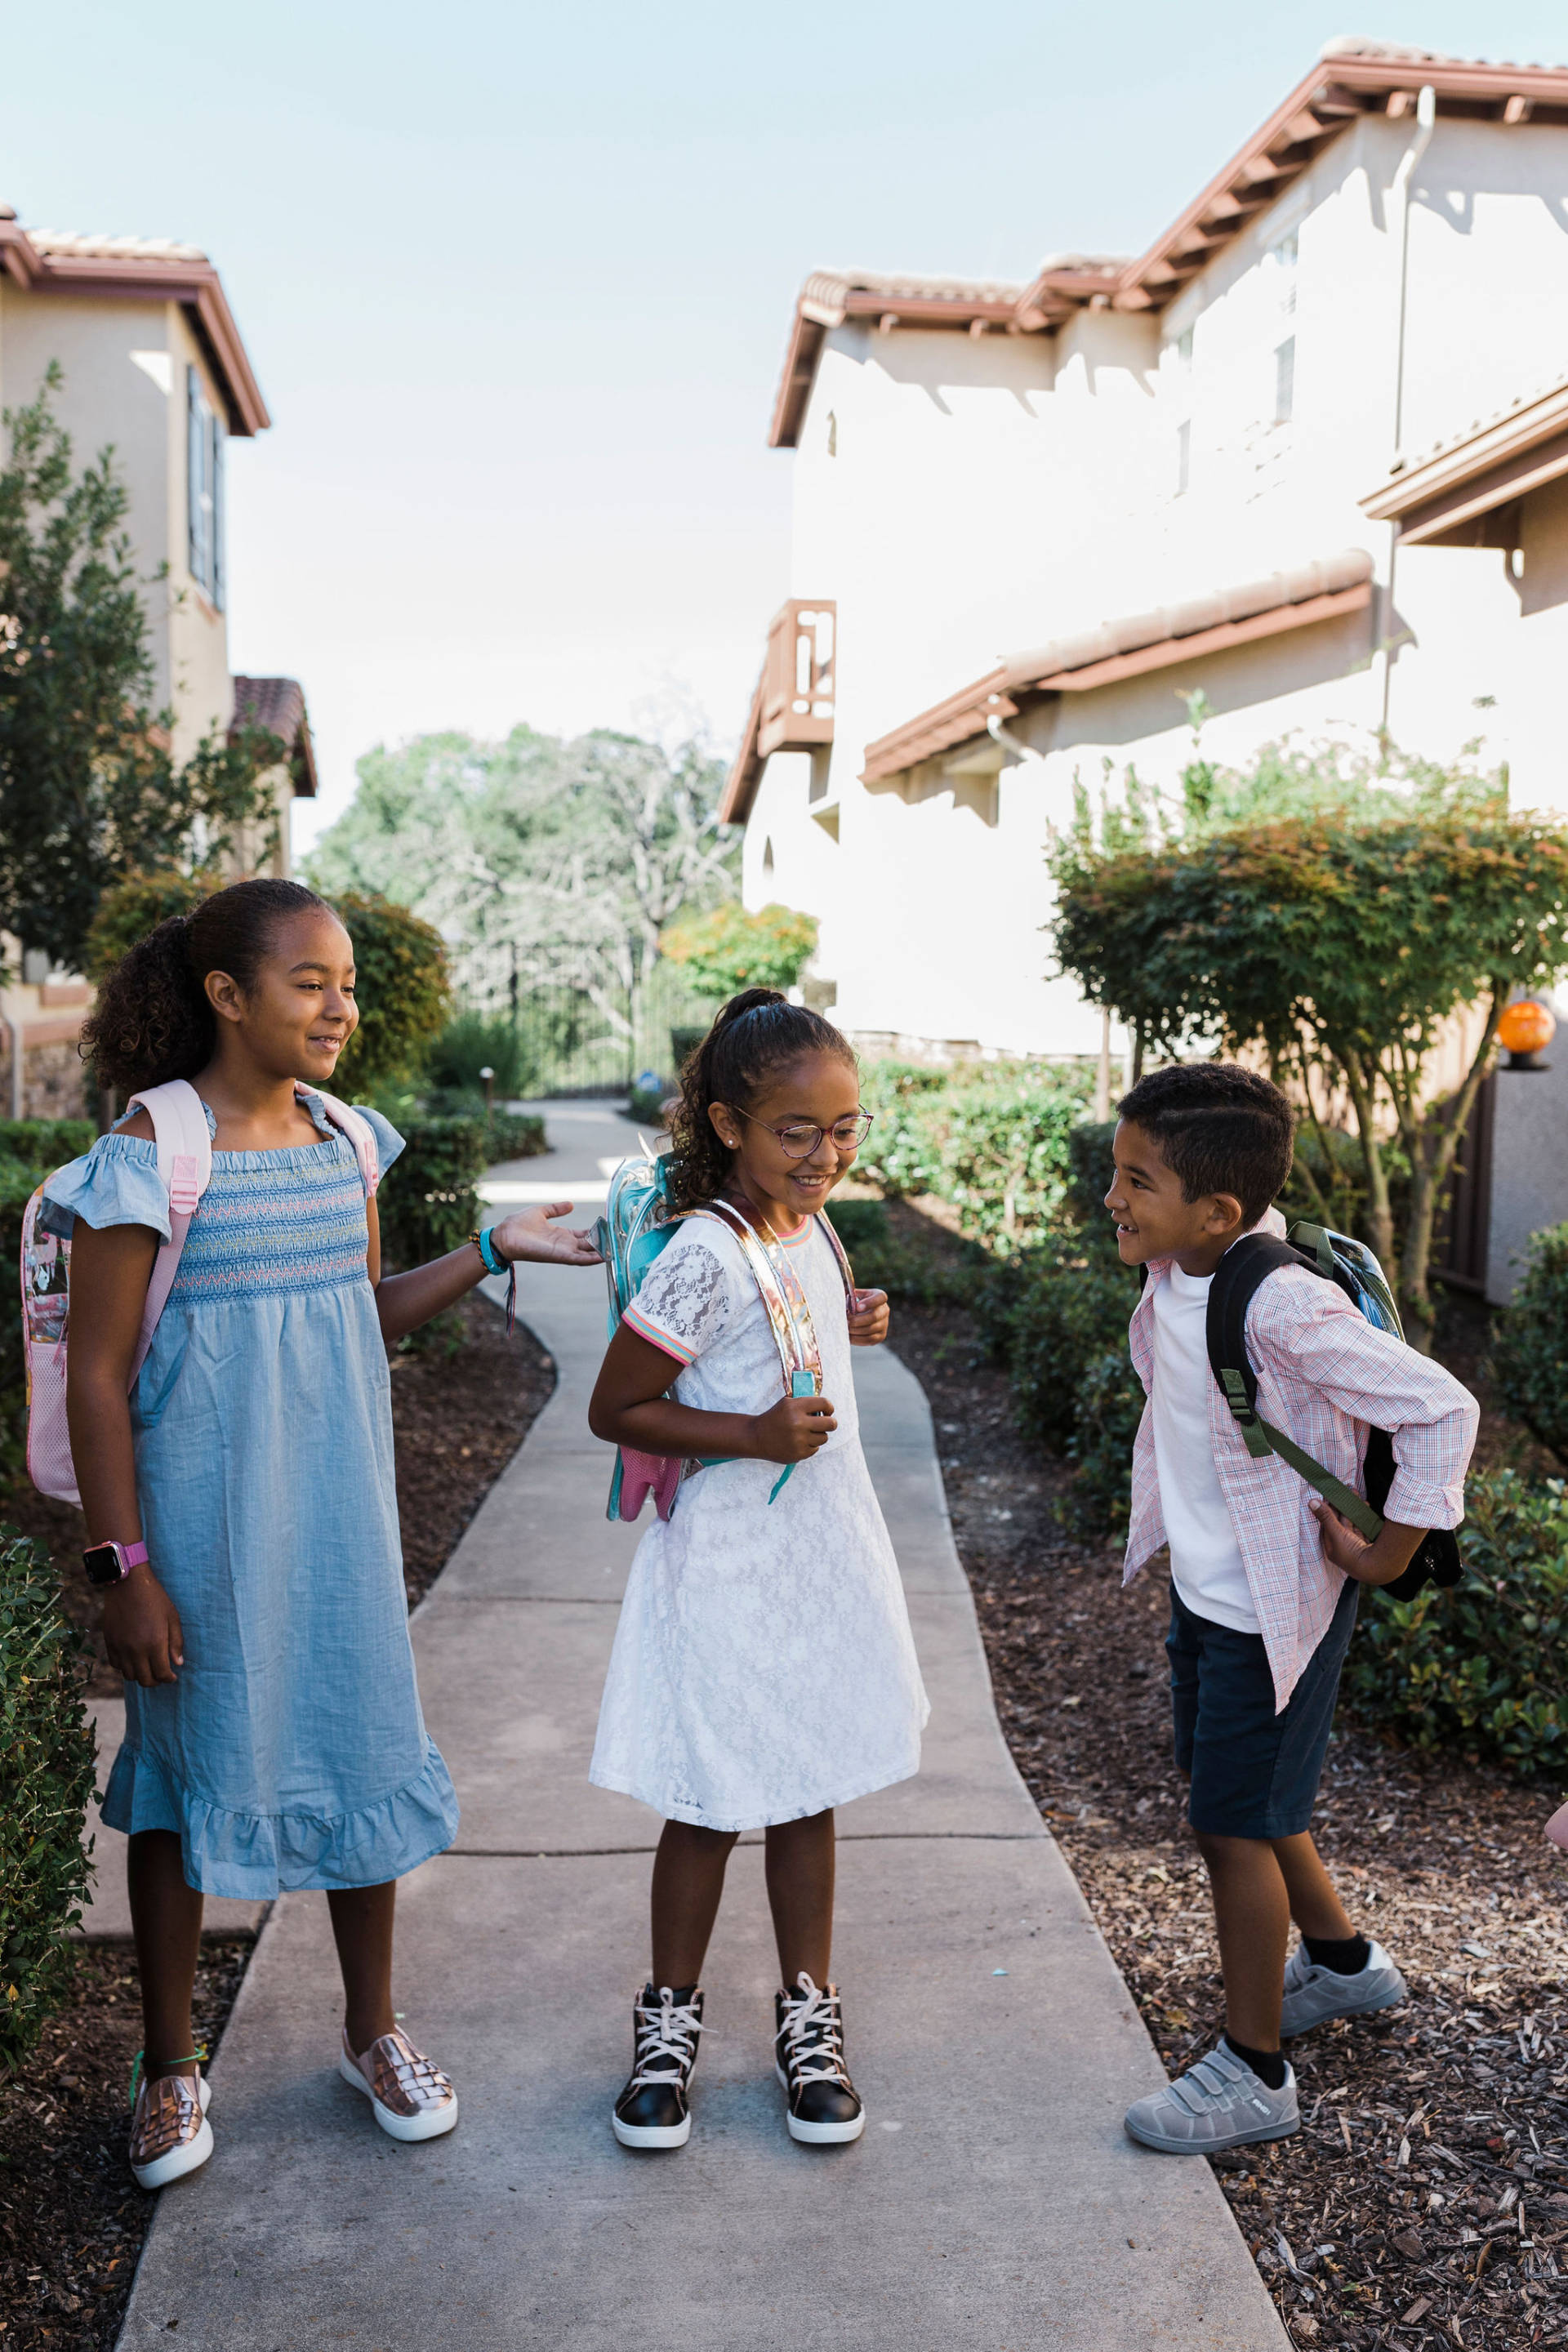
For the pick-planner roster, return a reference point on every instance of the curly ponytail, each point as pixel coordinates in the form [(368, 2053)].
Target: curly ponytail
[(152, 1022), (758, 1031)]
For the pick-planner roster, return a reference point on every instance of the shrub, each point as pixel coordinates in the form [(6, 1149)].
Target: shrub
[(404, 992), (1091, 1168), (1481, 1668), (131, 909), (469, 1045), (727, 949), (901, 1152), (1004, 1154), (1049, 1314), (512, 1135), (884, 1260), (46, 1779), (1529, 1344), (428, 1204)]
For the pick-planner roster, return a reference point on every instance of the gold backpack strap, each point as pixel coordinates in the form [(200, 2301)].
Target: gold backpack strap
[(789, 1315)]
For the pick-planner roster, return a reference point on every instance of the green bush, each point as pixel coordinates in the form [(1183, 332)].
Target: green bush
[(469, 1044), (1090, 1169), (45, 1143), (883, 1260), (132, 908), (512, 1135), (403, 989), (1529, 1344), (1004, 1154), (427, 1204), (1483, 1668), (46, 1779), (901, 1152), (1050, 1315), (727, 949), (646, 1104)]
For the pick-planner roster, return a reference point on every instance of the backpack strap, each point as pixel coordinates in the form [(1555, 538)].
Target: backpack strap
[(845, 1274), (795, 1334), (1245, 1266), (185, 1165), (360, 1133)]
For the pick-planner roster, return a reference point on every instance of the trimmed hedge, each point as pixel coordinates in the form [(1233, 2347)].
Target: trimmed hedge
[(882, 1260), (47, 1770), (1483, 1668), (427, 1203), (1529, 1344), (993, 1141), (1055, 1317)]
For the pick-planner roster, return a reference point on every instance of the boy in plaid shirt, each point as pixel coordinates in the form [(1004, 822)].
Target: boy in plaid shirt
[(1264, 1575)]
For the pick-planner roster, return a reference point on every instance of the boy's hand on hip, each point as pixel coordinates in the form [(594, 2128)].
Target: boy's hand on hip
[(792, 1430), (1378, 1562), (867, 1312), (142, 1631)]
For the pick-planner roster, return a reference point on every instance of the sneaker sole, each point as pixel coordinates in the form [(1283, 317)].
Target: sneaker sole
[(1361, 2008), (652, 2135), (1208, 2146), (432, 2124), (820, 2135)]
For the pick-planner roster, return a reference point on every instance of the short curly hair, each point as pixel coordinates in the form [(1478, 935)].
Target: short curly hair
[(152, 1022), (757, 1032), (1221, 1128)]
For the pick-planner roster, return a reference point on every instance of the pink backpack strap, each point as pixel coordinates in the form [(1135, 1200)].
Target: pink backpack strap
[(360, 1133), (185, 1165), (846, 1274)]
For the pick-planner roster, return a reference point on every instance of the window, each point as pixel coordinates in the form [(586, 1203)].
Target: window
[(1282, 262), (1285, 380), (1183, 456), (204, 491)]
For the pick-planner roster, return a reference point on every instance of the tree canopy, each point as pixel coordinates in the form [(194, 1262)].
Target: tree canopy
[(89, 786), (727, 948), (1338, 911), (543, 861)]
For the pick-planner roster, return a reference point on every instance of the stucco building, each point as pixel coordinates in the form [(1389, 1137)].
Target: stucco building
[(153, 364), (1033, 520)]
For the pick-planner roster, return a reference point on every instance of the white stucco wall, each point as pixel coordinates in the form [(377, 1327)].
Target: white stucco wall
[(124, 386), (965, 497)]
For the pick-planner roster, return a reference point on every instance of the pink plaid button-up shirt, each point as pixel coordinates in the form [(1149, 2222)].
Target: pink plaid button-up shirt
[(1324, 1376)]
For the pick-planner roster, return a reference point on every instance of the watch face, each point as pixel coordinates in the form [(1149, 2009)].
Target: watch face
[(102, 1564)]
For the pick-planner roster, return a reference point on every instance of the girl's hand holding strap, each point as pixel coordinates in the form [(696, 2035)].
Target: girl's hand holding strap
[(109, 1272), (629, 1407), (867, 1313)]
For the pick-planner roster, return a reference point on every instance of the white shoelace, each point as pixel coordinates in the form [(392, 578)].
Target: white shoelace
[(815, 2018), (668, 2032)]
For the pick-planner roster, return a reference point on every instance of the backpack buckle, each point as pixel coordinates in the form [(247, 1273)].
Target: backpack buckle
[(183, 1190)]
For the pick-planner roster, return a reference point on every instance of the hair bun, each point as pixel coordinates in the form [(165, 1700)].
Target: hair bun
[(750, 999)]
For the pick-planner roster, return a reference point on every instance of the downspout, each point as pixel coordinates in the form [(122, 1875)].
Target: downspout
[(18, 1074), (1425, 120)]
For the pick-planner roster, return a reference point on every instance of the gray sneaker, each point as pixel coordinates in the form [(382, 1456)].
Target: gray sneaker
[(1219, 2103), (1313, 1995)]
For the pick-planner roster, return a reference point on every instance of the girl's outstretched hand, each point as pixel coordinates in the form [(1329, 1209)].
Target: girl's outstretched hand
[(141, 1630), (792, 1430), (868, 1318), (530, 1234)]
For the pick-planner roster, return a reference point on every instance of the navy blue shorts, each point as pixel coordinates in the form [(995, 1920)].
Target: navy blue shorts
[(1254, 1773)]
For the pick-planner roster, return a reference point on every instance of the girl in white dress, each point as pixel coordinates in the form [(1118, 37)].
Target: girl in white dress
[(764, 1670)]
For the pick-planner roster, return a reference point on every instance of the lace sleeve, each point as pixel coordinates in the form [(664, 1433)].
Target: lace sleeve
[(683, 1306)]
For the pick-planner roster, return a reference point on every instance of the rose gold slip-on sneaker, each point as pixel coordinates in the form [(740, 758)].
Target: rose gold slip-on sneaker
[(411, 2096), (170, 2133)]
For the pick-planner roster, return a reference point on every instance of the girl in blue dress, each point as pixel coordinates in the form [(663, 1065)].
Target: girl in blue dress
[(242, 1491)]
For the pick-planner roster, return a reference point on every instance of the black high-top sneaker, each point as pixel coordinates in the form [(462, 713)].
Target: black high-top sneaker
[(808, 2055), (653, 2111)]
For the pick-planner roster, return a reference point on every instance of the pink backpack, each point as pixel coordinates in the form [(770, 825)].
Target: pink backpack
[(186, 1167)]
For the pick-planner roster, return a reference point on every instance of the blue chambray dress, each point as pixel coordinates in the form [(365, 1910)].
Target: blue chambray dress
[(291, 1752)]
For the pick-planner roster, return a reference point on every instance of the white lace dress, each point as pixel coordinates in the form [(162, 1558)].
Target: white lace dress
[(764, 1668)]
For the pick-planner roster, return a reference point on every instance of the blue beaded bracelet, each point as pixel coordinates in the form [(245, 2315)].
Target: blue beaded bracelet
[(487, 1248)]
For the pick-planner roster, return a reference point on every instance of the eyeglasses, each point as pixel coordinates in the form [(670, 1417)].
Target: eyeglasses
[(799, 1141)]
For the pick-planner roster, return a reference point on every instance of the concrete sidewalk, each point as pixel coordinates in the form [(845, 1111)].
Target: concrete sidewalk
[(993, 2201)]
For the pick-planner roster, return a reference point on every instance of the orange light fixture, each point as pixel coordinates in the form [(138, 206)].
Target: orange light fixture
[(1526, 1027)]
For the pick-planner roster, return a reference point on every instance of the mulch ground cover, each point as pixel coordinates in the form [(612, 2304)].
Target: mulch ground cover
[(71, 2219), (1425, 2200)]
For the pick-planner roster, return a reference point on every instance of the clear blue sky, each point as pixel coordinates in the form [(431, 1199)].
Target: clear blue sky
[(516, 281)]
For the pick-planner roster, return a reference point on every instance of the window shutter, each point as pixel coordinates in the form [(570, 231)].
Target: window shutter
[(195, 514), (218, 583)]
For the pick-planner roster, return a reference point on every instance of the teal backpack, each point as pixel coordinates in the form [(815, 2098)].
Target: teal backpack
[(639, 1221)]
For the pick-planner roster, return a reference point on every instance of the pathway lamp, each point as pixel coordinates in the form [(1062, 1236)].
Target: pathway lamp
[(1523, 1033)]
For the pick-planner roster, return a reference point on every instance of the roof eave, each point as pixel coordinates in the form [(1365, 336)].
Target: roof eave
[(195, 285), (1506, 460)]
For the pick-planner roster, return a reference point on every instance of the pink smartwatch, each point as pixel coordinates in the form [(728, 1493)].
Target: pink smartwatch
[(112, 1563)]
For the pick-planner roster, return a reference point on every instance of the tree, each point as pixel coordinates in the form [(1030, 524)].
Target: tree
[(89, 786), (543, 862), (727, 949), (1339, 910)]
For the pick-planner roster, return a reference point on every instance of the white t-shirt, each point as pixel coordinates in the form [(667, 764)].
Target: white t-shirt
[(1205, 1561)]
